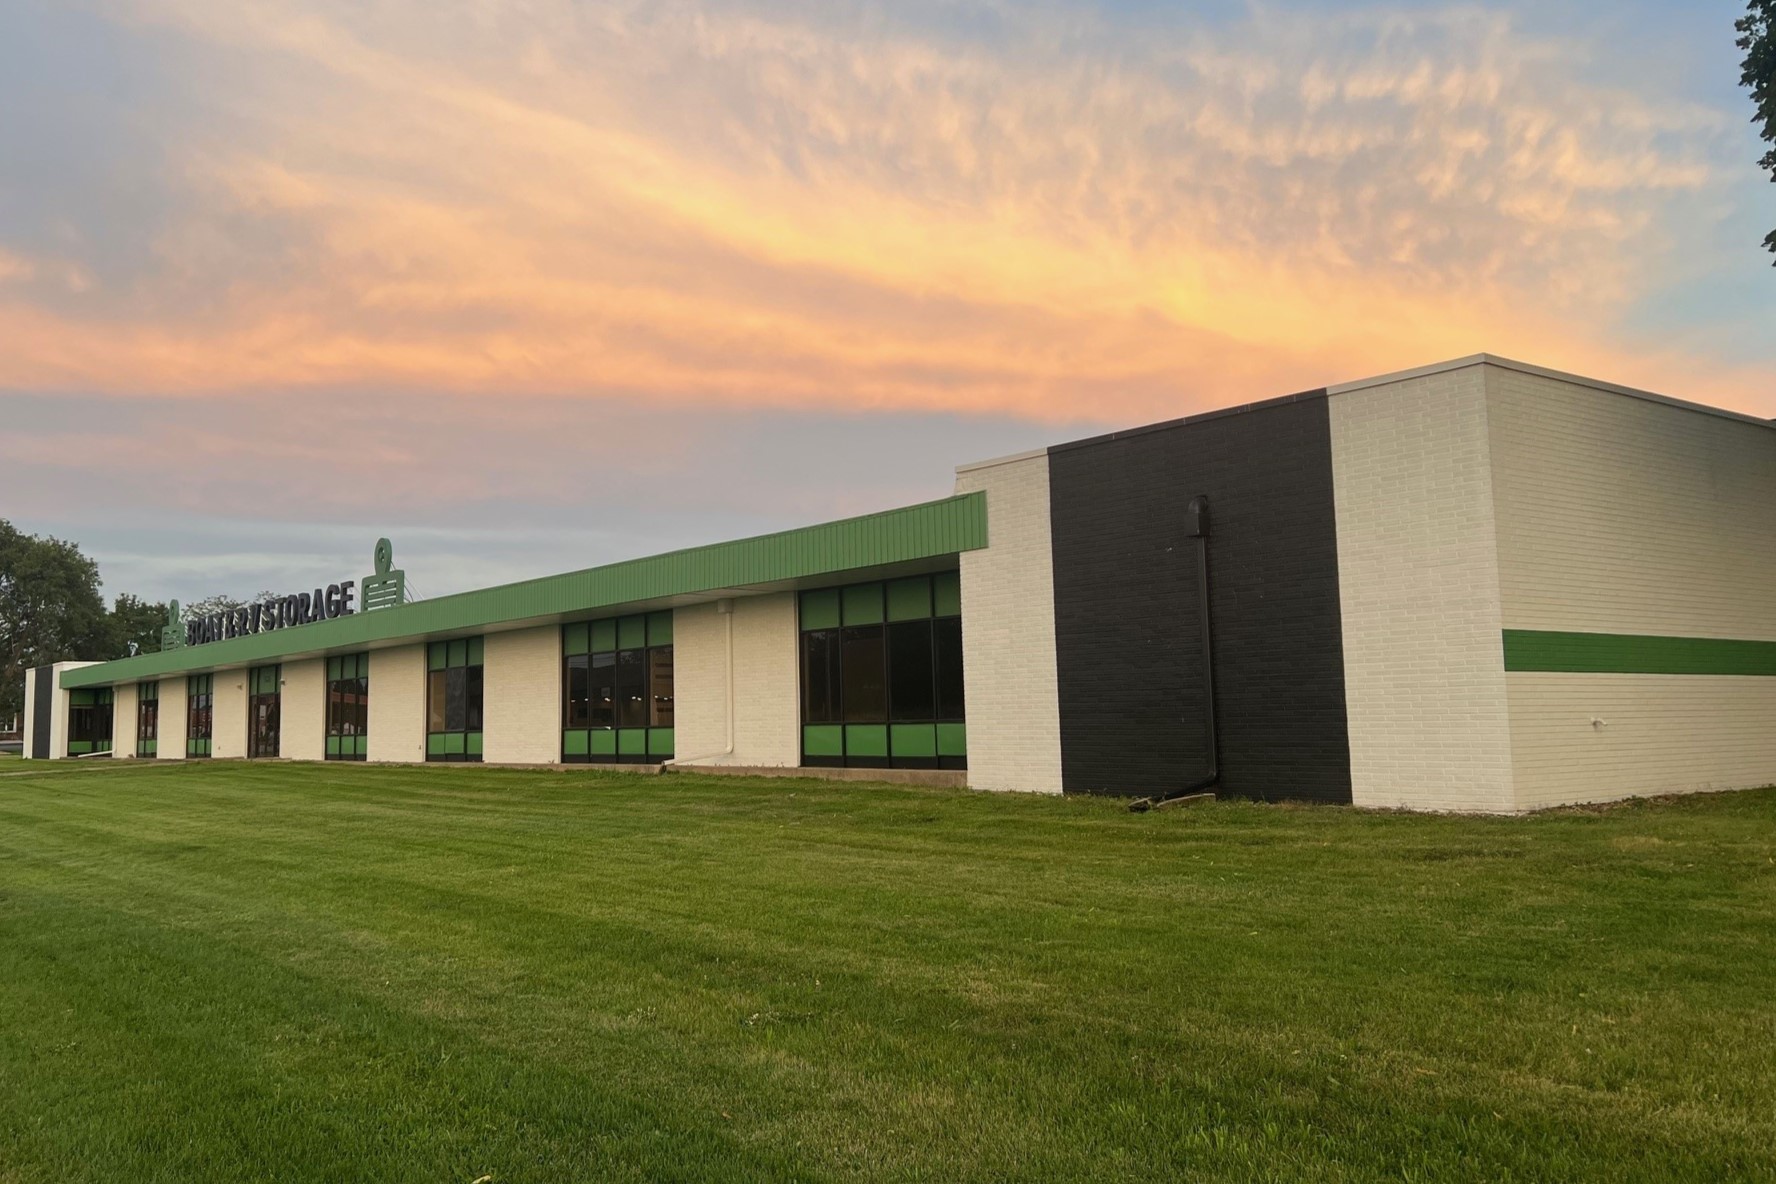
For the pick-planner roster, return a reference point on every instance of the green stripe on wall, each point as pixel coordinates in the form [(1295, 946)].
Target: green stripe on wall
[(1631, 653)]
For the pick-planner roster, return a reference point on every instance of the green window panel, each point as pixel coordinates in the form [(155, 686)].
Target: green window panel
[(603, 742), (453, 744), (946, 592), (151, 747), (632, 741), (79, 747), (473, 747), (360, 745), (333, 746), (575, 742), (866, 740), (952, 739), (659, 742), (659, 631), (477, 652), (820, 609), (604, 636), (203, 747), (82, 698), (458, 652), (631, 633), (435, 744), (333, 669), (909, 600), (913, 739), (823, 740), (861, 604), (437, 655), (576, 639)]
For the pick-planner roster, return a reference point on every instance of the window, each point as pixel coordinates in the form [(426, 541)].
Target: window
[(264, 700), (147, 719), (200, 700), (348, 707), (89, 721), (616, 690), (453, 700), (882, 675)]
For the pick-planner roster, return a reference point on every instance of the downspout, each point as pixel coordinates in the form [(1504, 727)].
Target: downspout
[(1197, 527), (726, 609)]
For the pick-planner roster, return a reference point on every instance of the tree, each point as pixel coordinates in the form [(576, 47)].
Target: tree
[(137, 620), (50, 610), (1757, 37)]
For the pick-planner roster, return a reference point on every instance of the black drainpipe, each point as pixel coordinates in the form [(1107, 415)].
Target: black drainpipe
[(1197, 527)]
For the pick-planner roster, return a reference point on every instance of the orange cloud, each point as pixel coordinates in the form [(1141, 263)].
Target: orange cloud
[(690, 204)]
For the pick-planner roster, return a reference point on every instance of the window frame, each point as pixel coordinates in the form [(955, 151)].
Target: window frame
[(462, 743), (844, 621), (640, 643), (347, 694)]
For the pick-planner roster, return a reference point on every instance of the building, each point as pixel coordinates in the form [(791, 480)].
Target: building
[(1477, 586)]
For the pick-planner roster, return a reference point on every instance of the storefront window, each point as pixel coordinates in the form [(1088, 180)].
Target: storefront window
[(882, 674), (348, 707), (453, 700), (264, 710), (617, 690), (147, 719), (200, 700), (89, 721)]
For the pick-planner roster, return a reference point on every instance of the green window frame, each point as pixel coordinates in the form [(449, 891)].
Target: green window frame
[(147, 719), (881, 674), (200, 715), (264, 710), (89, 721), (455, 680), (348, 707), (617, 690)]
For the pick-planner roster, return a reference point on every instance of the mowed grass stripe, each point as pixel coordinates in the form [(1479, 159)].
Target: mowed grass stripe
[(370, 973)]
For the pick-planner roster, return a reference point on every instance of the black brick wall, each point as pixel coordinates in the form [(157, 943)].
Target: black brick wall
[(1126, 619), (41, 705)]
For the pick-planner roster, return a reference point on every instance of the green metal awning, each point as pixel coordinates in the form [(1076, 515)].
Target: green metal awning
[(911, 535)]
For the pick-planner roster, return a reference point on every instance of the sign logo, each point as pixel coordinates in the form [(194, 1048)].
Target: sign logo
[(386, 589)]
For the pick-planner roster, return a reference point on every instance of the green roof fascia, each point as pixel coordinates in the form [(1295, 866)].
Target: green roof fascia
[(924, 531)]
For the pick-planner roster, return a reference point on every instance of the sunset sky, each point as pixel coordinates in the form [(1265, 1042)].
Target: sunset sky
[(533, 286)]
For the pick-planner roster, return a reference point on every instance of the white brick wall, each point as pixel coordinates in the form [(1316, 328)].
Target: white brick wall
[(1419, 595), (1659, 733), (302, 712), (397, 704), (1627, 515), (175, 719), (521, 696), (228, 719), (1008, 642), (1624, 515), (767, 683), (123, 720)]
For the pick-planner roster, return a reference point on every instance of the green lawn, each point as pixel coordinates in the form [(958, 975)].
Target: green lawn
[(230, 972)]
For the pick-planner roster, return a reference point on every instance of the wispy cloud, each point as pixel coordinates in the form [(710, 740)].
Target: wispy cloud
[(815, 209)]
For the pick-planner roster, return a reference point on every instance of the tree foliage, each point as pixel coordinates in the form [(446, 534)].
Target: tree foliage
[(50, 610), (136, 620), (1757, 37)]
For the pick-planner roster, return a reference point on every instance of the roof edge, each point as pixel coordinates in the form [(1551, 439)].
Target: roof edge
[(1598, 384)]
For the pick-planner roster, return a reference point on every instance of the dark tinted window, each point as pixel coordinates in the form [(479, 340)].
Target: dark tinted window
[(456, 681), (472, 698), (910, 691), (947, 636), (604, 690), (576, 702), (660, 686), (631, 689), (865, 687), (820, 677)]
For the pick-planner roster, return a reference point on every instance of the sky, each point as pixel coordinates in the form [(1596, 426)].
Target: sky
[(531, 286)]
